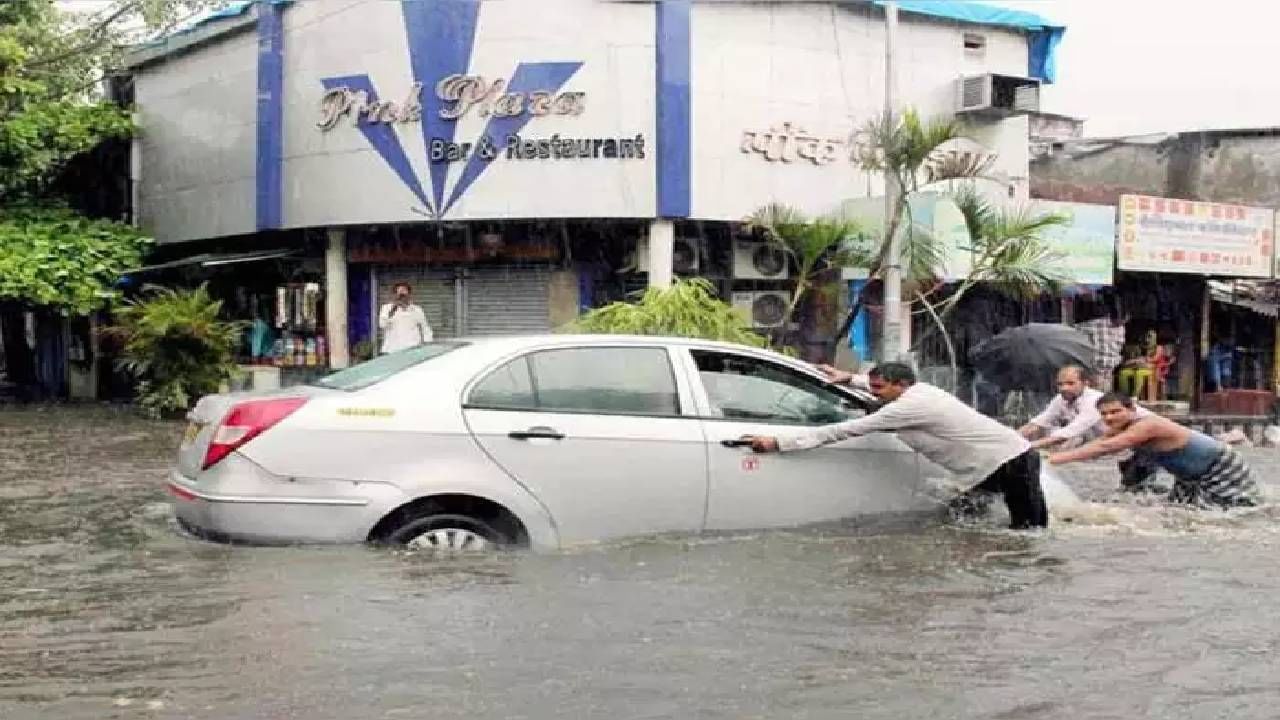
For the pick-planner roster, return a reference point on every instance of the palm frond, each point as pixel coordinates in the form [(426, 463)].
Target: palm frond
[(776, 219), (956, 165), (923, 253), (921, 138), (871, 143), (1023, 268), (978, 213), (831, 240), (1023, 224)]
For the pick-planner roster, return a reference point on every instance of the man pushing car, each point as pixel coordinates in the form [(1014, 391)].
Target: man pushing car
[(981, 453)]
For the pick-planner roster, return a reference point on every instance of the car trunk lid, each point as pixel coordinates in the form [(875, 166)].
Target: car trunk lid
[(212, 410)]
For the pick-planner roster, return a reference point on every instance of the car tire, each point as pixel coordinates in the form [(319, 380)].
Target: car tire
[(448, 532)]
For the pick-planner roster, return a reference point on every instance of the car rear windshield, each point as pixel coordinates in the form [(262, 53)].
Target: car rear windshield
[(367, 373)]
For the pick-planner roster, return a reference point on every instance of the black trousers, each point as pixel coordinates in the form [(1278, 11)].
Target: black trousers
[(1018, 480), (1136, 473)]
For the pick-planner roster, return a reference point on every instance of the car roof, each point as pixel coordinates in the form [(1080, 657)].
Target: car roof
[(505, 344), (493, 348), (516, 342)]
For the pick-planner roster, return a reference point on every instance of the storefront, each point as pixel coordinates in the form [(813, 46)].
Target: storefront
[(1196, 290), (514, 172), (510, 278), (277, 295), (1239, 370)]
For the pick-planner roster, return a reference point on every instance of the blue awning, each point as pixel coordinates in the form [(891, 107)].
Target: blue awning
[(1043, 35)]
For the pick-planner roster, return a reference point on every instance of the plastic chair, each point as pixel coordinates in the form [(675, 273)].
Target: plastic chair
[(1133, 380)]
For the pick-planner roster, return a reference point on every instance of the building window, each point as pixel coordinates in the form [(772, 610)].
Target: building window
[(975, 45)]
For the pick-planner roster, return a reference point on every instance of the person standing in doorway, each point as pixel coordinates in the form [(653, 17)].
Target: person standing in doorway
[(1106, 334), (982, 454), (403, 324)]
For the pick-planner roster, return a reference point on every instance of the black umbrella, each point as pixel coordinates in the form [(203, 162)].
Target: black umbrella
[(1026, 357)]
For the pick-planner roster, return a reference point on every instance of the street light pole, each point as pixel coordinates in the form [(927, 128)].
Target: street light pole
[(891, 334)]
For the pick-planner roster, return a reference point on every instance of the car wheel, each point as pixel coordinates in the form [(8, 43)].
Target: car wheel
[(448, 533)]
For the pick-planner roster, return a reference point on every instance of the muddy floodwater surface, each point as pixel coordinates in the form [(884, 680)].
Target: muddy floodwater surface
[(1124, 609)]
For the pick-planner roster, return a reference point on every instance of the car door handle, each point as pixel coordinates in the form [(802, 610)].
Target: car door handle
[(736, 443), (536, 432)]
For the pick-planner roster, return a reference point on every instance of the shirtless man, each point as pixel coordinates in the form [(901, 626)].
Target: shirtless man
[(1206, 472), (1072, 419)]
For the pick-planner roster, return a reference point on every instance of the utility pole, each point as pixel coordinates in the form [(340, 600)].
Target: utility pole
[(891, 326)]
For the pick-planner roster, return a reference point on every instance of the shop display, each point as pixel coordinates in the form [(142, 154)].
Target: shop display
[(289, 333)]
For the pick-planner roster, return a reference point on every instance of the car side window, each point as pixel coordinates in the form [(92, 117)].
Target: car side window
[(746, 388), (624, 380), (606, 380), (510, 387)]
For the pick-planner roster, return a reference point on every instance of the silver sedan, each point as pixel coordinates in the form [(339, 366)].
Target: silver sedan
[(534, 441)]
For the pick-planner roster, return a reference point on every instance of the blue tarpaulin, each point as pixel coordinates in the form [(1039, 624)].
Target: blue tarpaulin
[(235, 9), (1043, 36)]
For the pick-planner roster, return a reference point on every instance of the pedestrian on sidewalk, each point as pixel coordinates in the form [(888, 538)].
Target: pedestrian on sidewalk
[(982, 454), (1072, 419), (1207, 472), (404, 324)]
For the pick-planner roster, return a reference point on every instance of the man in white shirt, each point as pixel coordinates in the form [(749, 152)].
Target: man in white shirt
[(403, 324), (1072, 419), (981, 453)]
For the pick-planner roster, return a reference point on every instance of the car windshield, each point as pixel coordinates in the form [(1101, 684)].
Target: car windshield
[(380, 368)]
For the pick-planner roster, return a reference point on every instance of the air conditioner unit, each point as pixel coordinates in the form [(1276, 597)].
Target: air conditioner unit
[(765, 308), (757, 260), (998, 96), (686, 258)]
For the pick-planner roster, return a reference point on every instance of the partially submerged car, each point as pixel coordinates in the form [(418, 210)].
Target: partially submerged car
[(542, 441)]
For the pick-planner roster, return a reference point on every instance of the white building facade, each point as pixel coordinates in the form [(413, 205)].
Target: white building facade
[(498, 144)]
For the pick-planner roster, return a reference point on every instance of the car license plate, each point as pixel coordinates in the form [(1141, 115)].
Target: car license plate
[(193, 429)]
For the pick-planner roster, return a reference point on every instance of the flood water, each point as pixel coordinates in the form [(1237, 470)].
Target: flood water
[(1128, 611)]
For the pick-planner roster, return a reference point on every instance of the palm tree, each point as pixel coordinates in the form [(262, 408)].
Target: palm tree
[(1006, 247), (1008, 250), (1008, 254), (817, 246)]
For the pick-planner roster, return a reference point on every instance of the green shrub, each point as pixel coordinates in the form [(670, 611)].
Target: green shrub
[(177, 346), (689, 308)]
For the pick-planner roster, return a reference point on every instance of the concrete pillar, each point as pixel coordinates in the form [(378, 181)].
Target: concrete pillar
[(562, 298), (135, 175), (335, 299), (662, 242), (904, 332)]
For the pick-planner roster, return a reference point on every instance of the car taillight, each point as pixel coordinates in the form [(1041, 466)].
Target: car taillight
[(246, 421)]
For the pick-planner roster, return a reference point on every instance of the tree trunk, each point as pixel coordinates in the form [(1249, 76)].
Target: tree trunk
[(946, 340)]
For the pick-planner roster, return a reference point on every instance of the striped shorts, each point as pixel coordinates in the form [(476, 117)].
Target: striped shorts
[(1229, 482)]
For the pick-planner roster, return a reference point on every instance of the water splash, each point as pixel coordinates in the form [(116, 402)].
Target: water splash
[(1151, 514), (1140, 515), (1057, 494)]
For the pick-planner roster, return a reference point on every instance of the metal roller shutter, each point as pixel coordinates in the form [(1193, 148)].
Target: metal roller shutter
[(507, 301), (433, 290)]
